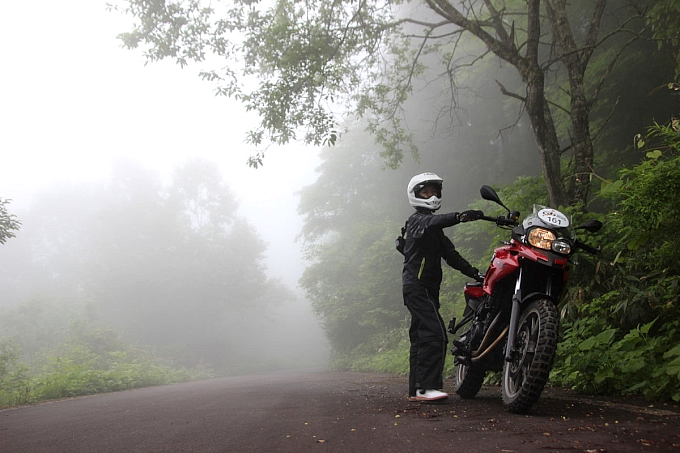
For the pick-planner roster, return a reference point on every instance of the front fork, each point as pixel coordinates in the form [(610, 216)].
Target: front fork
[(514, 316)]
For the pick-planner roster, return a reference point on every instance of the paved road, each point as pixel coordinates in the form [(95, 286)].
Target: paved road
[(317, 411)]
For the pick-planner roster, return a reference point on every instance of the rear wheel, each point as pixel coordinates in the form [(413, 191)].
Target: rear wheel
[(534, 352), (468, 380)]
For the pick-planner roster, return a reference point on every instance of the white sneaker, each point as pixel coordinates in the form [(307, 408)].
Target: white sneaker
[(430, 395)]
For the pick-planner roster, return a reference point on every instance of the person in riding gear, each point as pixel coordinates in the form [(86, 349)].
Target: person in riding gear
[(425, 246)]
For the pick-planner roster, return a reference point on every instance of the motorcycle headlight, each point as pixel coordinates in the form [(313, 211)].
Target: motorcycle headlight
[(546, 240), (541, 238), (562, 247)]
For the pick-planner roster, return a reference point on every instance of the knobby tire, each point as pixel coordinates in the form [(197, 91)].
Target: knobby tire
[(524, 378)]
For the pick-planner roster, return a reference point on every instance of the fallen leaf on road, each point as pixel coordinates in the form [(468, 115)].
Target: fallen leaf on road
[(320, 441)]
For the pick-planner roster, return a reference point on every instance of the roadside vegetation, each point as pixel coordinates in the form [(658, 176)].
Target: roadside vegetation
[(130, 283), (86, 362)]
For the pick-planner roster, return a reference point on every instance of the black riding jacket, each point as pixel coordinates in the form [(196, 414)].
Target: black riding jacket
[(426, 245)]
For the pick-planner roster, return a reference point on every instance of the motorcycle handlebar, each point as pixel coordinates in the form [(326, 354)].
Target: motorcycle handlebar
[(501, 221), (504, 221)]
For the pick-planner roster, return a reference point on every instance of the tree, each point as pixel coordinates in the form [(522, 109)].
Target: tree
[(664, 18), (306, 59), (201, 194), (8, 222), (176, 268)]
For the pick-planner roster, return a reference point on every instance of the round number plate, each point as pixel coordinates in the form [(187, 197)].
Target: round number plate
[(553, 217)]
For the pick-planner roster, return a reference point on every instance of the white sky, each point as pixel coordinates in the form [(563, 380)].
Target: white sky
[(71, 100)]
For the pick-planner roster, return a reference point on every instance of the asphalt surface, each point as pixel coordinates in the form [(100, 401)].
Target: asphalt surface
[(317, 411)]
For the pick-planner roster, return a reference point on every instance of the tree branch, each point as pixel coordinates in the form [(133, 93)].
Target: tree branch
[(498, 23), (509, 93), (608, 71), (593, 30), (498, 47), (611, 113)]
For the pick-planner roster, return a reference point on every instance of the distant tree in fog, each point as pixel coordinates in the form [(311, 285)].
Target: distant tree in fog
[(174, 267), (202, 195), (8, 222)]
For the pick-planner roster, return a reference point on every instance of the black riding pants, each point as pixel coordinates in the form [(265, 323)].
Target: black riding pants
[(428, 339)]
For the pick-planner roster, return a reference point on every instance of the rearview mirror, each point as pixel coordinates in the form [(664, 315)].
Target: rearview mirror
[(489, 194), (592, 226)]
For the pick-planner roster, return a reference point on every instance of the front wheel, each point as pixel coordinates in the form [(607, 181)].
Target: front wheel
[(534, 352)]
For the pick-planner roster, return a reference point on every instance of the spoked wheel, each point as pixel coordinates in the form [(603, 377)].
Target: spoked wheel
[(534, 352), (468, 380)]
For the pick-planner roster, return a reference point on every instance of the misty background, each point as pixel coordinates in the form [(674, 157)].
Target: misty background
[(140, 216), (92, 140)]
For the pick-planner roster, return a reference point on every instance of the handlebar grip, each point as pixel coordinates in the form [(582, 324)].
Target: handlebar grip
[(500, 220)]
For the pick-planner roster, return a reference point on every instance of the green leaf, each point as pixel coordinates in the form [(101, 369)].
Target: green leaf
[(675, 351), (602, 374), (636, 242), (601, 338), (633, 365), (609, 186), (673, 368), (645, 329), (654, 154)]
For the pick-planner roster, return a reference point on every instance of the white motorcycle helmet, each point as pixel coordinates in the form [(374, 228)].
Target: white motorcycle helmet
[(417, 183)]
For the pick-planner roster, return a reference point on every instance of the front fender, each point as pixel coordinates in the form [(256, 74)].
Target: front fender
[(537, 295)]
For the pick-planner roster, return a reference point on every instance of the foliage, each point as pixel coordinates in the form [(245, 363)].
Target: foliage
[(298, 65), (14, 385), (627, 338), (8, 222), (352, 287), (392, 358), (594, 357), (664, 17), (644, 270), (89, 361)]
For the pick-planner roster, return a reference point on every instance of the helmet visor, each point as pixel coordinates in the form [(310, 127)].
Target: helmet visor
[(436, 185)]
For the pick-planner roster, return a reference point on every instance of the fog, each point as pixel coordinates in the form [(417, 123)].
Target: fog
[(140, 215), (91, 142)]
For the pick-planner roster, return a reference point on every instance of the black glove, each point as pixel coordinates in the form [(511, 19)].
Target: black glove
[(470, 215), (479, 277)]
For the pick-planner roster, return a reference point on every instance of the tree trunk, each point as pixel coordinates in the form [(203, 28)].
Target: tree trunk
[(539, 111), (575, 60), (578, 184), (546, 138)]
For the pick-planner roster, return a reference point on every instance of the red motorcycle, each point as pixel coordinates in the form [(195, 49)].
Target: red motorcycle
[(512, 316)]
